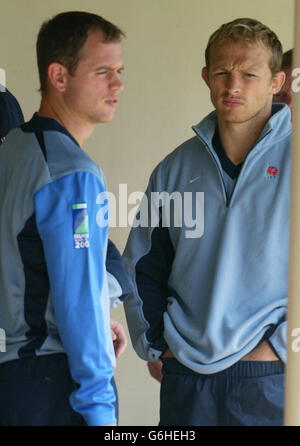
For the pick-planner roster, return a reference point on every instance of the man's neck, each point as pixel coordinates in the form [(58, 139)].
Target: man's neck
[(239, 138), (79, 130)]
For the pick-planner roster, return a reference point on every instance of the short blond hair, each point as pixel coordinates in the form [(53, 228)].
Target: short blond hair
[(252, 32)]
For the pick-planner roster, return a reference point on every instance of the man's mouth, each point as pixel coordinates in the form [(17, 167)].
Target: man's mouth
[(113, 102), (230, 102)]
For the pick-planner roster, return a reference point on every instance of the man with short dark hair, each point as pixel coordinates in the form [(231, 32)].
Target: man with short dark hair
[(54, 301), (212, 304)]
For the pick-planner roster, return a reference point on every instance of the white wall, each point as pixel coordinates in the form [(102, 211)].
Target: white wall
[(164, 95)]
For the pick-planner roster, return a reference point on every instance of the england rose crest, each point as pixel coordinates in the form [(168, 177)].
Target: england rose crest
[(272, 172)]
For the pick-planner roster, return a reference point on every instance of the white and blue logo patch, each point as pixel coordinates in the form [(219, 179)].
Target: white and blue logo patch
[(80, 225)]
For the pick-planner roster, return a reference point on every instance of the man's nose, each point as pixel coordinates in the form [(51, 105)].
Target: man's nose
[(116, 83), (233, 83)]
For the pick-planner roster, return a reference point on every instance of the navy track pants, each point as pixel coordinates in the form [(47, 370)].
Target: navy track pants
[(249, 393), (35, 392)]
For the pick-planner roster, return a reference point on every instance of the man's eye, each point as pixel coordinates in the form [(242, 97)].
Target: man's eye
[(251, 75)]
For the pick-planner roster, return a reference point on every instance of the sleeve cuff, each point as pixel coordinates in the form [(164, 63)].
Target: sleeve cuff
[(100, 420)]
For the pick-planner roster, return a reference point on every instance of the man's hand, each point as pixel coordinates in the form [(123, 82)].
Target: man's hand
[(118, 337), (261, 353), (154, 368)]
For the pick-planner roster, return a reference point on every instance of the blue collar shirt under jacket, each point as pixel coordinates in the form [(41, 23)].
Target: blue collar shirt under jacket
[(212, 296), (53, 282)]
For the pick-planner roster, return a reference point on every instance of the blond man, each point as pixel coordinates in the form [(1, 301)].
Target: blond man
[(212, 305)]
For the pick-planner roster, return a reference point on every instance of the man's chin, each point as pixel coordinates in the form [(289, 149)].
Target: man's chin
[(232, 116), (104, 119)]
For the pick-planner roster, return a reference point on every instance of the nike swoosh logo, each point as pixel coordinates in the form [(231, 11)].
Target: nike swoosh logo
[(194, 179)]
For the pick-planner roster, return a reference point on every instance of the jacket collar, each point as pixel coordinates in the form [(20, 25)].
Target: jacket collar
[(278, 126)]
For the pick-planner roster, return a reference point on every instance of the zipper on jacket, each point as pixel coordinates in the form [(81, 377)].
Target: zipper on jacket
[(245, 163), (226, 199)]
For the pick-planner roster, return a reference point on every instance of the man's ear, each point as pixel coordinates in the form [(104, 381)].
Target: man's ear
[(57, 76), (205, 75), (278, 81)]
